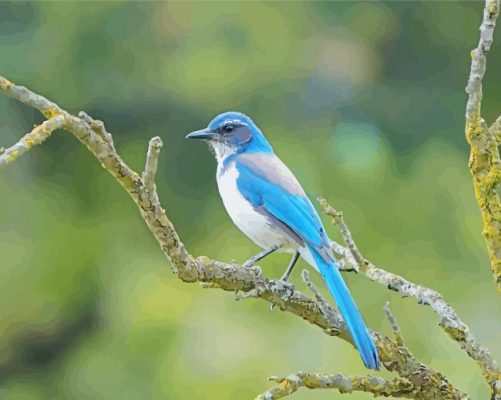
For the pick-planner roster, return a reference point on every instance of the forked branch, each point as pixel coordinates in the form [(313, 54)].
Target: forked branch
[(415, 379), (427, 382)]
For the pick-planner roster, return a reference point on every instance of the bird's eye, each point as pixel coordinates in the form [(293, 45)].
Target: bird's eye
[(228, 128)]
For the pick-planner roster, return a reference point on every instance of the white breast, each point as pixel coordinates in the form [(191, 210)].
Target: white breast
[(255, 225)]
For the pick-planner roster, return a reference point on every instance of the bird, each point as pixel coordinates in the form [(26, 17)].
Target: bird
[(268, 204)]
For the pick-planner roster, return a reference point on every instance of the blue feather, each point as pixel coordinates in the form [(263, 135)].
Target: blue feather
[(356, 326), (294, 210), (298, 214), (290, 218)]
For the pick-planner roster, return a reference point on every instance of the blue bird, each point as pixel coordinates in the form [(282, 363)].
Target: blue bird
[(267, 203)]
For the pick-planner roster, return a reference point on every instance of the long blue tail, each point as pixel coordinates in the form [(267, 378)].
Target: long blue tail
[(349, 311)]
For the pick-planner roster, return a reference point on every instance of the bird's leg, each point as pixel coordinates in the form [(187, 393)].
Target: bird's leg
[(287, 273), (285, 277), (251, 261)]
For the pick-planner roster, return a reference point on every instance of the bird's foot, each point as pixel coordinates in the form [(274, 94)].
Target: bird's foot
[(256, 269), (282, 285), (250, 265)]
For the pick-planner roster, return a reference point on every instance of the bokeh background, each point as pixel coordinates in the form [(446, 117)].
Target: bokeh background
[(364, 101)]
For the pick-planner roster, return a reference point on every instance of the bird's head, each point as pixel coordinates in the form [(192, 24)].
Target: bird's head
[(230, 133)]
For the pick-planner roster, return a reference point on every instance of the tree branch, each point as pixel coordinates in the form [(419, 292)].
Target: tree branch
[(394, 324), (150, 167), (416, 380), (397, 387), (449, 319), (485, 162), (325, 308), (427, 382), (33, 138), (479, 60)]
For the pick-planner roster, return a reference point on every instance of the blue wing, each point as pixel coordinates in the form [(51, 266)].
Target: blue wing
[(278, 192), (266, 182)]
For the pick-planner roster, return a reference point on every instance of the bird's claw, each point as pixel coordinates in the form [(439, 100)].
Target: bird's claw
[(285, 287), (257, 270), (253, 268)]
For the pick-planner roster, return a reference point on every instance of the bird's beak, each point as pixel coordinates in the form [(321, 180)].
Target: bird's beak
[(201, 134)]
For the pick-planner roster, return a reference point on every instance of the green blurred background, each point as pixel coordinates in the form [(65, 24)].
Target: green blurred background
[(364, 101)]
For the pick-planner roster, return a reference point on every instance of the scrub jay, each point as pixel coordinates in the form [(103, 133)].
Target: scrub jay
[(267, 203)]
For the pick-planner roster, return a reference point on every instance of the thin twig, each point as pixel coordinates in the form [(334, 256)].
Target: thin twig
[(449, 319), (150, 167), (495, 129), (33, 138), (325, 308), (479, 60), (394, 324)]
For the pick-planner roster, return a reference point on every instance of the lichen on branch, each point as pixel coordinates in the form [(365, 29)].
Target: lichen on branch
[(395, 356), (396, 387), (449, 320), (414, 379), (33, 138), (485, 162)]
